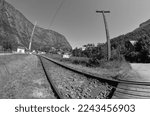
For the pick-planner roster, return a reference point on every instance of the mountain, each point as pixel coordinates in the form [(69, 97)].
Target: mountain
[(16, 29), (145, 23), (120, 43), (141, 32)]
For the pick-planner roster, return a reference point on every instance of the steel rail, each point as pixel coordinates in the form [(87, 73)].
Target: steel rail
[(58, 95), (121, 88), (127, 93)]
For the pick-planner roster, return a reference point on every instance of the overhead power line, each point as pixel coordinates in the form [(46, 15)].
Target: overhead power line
[(57, 11)]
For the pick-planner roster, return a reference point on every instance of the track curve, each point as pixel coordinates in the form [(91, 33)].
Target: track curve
[(121, 88)]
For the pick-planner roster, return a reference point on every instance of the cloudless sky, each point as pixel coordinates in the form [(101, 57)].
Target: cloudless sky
[(78, 21)]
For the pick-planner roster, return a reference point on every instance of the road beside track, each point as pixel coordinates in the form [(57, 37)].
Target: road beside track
[(140, 72), (143, 71)]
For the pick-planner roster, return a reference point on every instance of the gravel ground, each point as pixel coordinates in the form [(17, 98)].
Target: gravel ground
[(75, 86), (24, 79)]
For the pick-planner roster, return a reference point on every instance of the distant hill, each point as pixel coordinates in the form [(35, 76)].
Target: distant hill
[(145, 23), (118, 43), (16, 29)]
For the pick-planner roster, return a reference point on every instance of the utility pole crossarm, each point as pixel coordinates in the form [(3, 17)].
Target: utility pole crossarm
[(102, 11), (107, 33)]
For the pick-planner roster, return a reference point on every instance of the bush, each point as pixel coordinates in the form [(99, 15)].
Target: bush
[(80, 60), (141, 51)]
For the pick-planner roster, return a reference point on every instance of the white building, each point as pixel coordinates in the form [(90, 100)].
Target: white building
[(133, 42), (21, 50), (66, 55)]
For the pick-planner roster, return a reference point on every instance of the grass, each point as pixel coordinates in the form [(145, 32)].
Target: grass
[(73, 60), (22, 77), (91, 63), (8, 58), (107, 69), (6, 73)]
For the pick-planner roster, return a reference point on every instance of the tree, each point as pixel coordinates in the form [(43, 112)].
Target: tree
[(89, 50), (143, 47), (141, 51), (77, 52), (7, 45)]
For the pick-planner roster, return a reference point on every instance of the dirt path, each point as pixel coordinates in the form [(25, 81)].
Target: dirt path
[(24, 79), (143, 70)]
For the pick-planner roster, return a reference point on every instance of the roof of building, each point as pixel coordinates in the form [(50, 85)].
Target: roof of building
[(21, 47), (133, 42)]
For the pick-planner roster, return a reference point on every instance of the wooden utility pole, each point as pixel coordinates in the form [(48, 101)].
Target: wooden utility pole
[(30, 44), (107, 33)]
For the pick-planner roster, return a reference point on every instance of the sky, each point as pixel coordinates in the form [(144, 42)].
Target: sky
[(78, 21)]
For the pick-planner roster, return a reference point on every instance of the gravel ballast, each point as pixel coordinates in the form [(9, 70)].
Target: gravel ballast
[(76, 86)]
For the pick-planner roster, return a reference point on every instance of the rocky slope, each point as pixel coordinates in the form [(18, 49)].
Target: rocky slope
[(16, 29)]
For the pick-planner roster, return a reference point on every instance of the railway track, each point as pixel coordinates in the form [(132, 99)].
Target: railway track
[(54, 88), (118, 89)]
